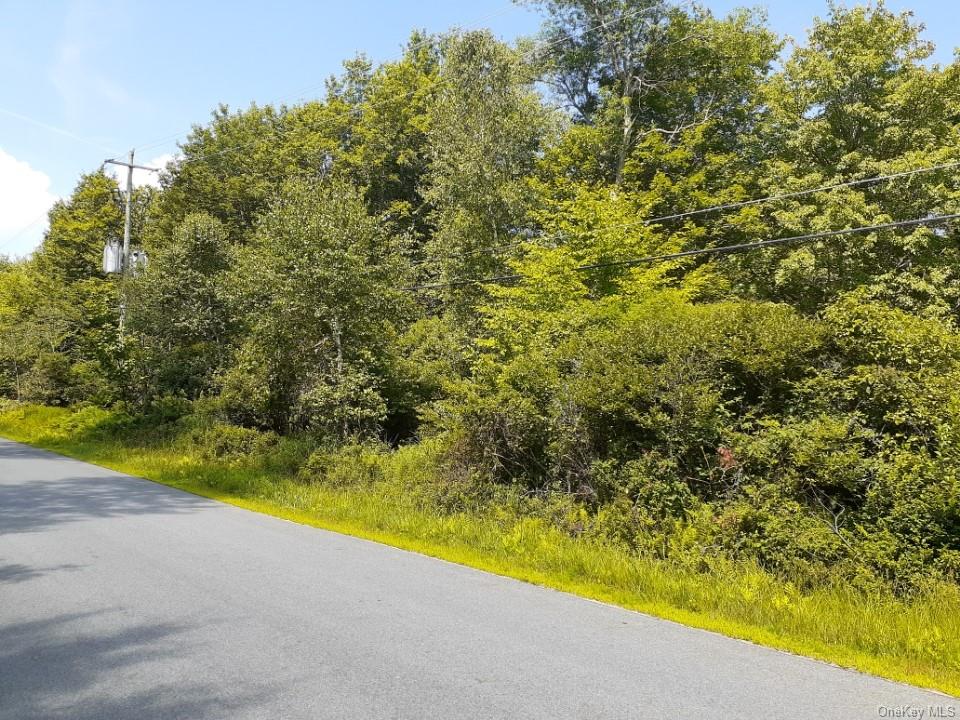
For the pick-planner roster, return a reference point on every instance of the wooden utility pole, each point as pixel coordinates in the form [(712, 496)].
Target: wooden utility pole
[(128, 204), (125, 265)]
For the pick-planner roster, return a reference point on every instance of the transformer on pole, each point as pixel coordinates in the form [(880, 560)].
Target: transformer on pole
[(124, 263)]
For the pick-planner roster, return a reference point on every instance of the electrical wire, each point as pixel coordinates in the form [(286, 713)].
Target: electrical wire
[(720, 208), (798, 193), (56, 130), (722, 250), (23, 231)]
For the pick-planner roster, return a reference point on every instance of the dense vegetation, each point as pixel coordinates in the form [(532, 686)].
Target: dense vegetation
[(313, 285)]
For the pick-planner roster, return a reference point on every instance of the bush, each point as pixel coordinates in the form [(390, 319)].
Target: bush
[(233, 443), (87, 382), (355, 464), (49, 380), (342, 407)]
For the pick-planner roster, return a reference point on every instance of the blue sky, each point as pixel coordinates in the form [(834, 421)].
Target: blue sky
[(84, 79)]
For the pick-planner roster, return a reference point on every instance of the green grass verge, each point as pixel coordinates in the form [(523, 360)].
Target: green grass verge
[(915, 641)]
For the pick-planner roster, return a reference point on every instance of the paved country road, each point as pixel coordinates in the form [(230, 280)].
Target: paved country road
[(121, 598)]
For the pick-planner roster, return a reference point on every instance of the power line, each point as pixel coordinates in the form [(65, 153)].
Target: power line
[(723, 250), (23, 231), (796, 194), (468, 253), (719, 208), (746, 247)]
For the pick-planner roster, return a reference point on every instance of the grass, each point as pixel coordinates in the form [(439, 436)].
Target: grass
[(915, 641)]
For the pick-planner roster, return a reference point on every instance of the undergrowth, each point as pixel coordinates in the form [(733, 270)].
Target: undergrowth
[(393, 496)]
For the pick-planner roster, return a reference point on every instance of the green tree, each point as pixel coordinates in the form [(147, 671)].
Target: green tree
[(75, 304), (642, 67), (80, 226), (860, 100), (486, 127), (179, 310), (321, 287), (389, 152), (32, 324), (231, 167)]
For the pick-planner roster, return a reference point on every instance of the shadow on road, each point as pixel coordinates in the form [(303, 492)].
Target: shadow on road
[(16, 572), (17, 451), (41, 504), (81, 666)]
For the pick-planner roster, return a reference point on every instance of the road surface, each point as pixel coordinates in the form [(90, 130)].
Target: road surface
[(121, 598)]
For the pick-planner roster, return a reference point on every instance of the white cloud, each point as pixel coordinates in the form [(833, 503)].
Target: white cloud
[(25, 198)]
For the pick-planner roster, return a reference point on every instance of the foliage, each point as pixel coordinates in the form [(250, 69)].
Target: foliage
[(58, 313), (180, 311), (486, 126), (398, 497), (79, 227), (640, 69), (432, 282), (319, 294)]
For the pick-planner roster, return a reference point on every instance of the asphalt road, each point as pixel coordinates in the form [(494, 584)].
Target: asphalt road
[(121, 598)]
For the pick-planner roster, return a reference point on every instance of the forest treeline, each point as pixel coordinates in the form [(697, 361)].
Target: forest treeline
[(438, 253)]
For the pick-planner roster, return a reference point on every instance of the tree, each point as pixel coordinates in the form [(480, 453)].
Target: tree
[(179, 310), (27, 328), (486, 128), (232, 167), (320, 288), (858, 101), (641, 67), (389, 152), (74, 305), (226, 169), (72, 248)]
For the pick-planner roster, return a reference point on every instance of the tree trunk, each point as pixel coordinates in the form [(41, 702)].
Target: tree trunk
[(626, 138), (338, 344)]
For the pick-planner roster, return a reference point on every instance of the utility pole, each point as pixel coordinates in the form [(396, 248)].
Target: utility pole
[(127, 215), (125, 265), (128, 203)]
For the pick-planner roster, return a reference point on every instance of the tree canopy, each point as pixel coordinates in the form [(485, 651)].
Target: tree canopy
[(454, 247)]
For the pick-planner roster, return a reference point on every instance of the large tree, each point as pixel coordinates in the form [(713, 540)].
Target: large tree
[(486, 128), (320, 288), (80, 226), (860, 100), (642, 67), (179, 311)]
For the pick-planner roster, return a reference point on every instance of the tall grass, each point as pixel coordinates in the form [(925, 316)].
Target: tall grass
[(915, 640)]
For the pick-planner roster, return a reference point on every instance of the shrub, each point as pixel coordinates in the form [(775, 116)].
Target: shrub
[(354, 464), (233, 443)]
